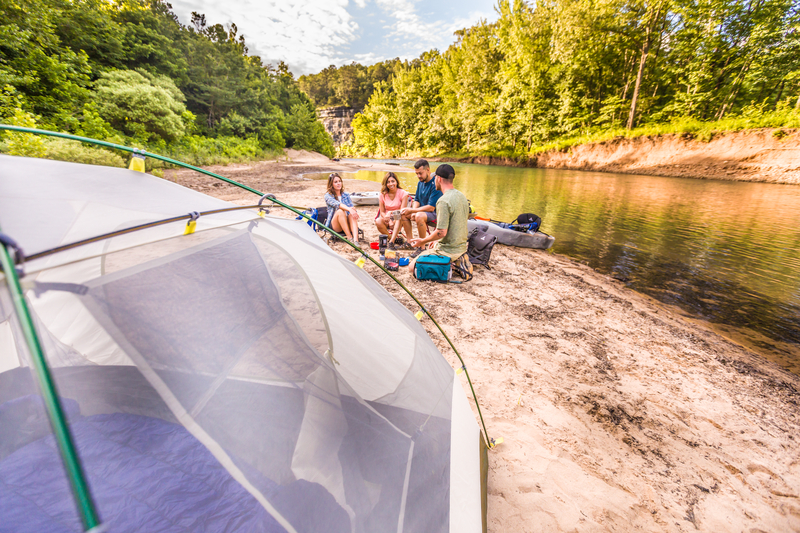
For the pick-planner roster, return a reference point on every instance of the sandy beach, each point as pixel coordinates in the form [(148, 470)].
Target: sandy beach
[(617, 413)]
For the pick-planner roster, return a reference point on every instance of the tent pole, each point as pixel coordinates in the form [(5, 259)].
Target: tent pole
[(55, 412), (20, 129)]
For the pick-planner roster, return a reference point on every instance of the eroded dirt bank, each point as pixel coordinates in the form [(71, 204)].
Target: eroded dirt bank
[(617, 414), (755, 155)]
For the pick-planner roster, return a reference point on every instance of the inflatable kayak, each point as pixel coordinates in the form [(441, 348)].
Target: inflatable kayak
[(509, 237), (364, 198)]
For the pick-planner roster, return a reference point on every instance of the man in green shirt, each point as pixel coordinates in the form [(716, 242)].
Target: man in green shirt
[(452, 212)]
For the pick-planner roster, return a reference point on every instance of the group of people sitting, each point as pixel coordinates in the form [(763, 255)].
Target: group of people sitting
[(437, 203)]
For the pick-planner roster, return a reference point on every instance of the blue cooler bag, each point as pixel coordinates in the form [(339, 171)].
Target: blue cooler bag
[(433, 267)]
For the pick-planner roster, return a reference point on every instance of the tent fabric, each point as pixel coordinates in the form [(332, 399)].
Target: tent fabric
[(248, 356)]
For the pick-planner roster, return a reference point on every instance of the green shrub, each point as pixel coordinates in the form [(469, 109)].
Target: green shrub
[(23, 144), (142, 105), (77, 152)]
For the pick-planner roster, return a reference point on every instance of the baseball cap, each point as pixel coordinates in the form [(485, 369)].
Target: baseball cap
[(445, 171)]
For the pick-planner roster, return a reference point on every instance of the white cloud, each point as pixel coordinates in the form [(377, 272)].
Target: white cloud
[(309, 35), (420, 34)]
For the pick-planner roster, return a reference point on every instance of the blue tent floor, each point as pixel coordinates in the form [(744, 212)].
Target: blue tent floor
[(146, 475)]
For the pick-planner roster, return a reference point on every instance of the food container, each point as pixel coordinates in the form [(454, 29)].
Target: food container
[(374, 245)]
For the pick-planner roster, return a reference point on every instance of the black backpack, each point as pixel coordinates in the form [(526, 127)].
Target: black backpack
[(479, 247), (527, 222)]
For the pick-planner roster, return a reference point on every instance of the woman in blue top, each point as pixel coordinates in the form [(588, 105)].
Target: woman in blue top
[(342, 216)]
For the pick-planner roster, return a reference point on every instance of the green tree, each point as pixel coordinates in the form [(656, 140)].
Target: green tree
[(53, 78), (305, 132), (141, 104)]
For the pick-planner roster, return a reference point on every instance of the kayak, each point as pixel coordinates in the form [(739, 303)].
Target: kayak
[(364, 198), (509, 237)]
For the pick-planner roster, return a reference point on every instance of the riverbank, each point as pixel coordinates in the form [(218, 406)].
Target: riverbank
[(765, 155), (617, 413)]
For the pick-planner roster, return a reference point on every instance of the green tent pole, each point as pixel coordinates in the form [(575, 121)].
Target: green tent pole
[(55, 412)]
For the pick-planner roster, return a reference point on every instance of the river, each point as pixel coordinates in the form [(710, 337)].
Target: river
[(724, 252)]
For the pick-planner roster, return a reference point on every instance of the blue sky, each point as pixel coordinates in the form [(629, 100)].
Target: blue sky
[(309, 35)]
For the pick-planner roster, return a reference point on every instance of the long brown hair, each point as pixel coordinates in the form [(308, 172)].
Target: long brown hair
[(384, 186), (330, 183)]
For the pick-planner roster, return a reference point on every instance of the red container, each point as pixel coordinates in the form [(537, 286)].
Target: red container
[(374, 245)]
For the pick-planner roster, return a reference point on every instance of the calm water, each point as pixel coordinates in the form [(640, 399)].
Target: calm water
[(725, 252)]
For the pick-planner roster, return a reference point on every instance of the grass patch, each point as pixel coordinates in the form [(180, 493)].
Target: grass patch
[(77, 152)]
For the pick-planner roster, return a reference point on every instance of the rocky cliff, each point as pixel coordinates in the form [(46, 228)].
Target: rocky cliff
[(338, 122)]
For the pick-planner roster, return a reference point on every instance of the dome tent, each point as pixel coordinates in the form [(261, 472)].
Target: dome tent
[(240, 378)]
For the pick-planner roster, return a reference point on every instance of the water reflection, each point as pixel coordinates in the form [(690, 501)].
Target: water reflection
[(727, 252)]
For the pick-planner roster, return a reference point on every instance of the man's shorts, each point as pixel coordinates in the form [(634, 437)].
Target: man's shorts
[(431, 218)]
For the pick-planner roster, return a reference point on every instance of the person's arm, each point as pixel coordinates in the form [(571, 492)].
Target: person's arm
[(405, 202), (434, 199), (435, 235), (409, 210), (430, 206), (381, 206), (347, 205), (414, 206), (331, 201), (442, 221)]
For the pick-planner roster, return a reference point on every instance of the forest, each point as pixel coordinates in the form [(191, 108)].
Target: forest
[(127, 71), (559, 72), (349, 85)]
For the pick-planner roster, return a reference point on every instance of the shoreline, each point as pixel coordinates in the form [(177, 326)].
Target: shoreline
[(617, 412), (751, 156)]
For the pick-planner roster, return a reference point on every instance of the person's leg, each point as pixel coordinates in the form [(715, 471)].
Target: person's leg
[(339, 223), (353, 228), (421, 219), (395, 231), (335, 225), (382, 229), (405, 222)]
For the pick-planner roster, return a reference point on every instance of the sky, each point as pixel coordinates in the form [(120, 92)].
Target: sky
[(309, 35)]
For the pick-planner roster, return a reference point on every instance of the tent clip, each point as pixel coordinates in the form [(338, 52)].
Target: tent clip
[(137, 160), (19, 255), (8, 242), (462, 369), (493, 443), (332, 358), (265, 210), (192, 223)]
